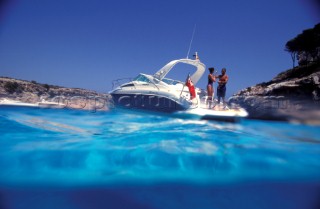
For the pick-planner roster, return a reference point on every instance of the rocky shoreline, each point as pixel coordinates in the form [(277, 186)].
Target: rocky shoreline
[(293, 95), (31, 92)]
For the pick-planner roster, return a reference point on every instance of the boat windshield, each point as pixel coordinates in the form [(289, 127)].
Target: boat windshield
[(170, 81), (146, 79), (141, 78)]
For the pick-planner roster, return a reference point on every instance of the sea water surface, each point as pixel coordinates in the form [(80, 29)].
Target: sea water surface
[(62, 158)]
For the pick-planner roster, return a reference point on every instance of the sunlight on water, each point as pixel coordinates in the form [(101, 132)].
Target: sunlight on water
[(76, 148), (79, 146)]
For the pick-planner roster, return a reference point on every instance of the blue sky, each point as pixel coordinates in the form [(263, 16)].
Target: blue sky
[(89, 43)]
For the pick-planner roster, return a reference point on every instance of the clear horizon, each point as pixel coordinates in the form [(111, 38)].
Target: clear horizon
[(88, 44)]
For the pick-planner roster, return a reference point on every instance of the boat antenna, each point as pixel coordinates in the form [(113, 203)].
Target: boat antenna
[(194, 29)]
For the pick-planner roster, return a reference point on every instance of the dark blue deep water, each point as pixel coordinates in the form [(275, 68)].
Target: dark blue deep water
[(72, 159)]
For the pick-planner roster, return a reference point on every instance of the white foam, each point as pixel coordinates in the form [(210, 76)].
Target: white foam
[(5, 101)]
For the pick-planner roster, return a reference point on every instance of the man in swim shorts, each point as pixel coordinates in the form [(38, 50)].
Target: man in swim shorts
[(221, 89)]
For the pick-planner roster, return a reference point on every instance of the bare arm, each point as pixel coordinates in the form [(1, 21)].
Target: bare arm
[(212, 78), (223, 79)]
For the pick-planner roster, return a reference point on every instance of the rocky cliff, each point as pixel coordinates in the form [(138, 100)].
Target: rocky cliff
[(33, 92), (293, 95)]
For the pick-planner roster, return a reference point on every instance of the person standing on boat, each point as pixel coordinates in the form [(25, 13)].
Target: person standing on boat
[(221, 89), (211, 79)]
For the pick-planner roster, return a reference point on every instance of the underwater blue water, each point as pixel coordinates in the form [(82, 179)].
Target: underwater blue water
[(62, 158)]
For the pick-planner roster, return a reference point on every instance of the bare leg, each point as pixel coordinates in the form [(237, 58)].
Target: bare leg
[(210, 93)]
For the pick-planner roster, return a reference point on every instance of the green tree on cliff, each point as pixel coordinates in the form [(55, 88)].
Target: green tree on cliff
[(306, 46)]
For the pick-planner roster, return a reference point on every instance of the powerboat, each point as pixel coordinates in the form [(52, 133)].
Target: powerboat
[(161, 94), (156, 92)]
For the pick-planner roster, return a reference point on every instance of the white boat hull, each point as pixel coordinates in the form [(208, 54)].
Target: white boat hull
[(231, 115), (150, 102)]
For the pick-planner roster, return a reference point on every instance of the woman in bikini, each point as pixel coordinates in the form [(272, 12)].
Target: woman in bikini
[(211, 79)]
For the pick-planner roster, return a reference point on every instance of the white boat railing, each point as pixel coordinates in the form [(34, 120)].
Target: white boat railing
[(118, 82)]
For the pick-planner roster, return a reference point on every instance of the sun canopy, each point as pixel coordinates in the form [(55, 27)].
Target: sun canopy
[(195, 77)]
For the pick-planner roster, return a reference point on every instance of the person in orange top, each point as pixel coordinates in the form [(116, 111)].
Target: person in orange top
[(221, 89)]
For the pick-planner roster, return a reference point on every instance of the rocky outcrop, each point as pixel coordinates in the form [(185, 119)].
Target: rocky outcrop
[(292, 95), (33, 92)]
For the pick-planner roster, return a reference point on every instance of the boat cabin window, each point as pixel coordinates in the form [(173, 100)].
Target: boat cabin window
[(170, 81), (142, 78)]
